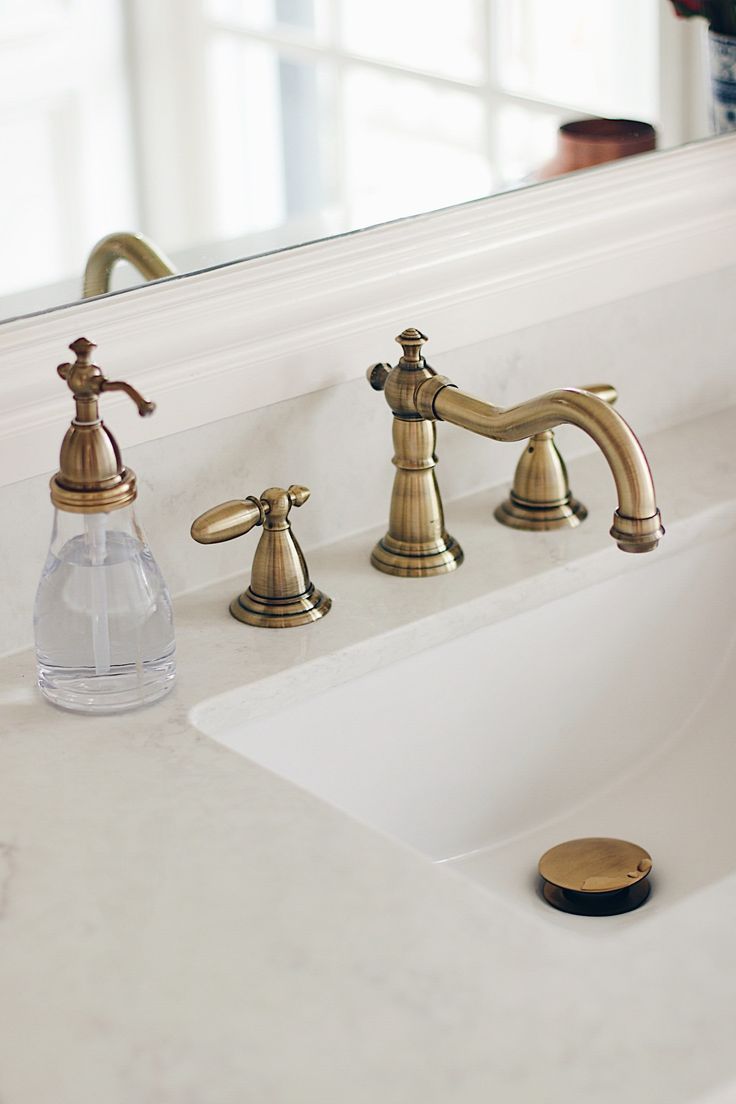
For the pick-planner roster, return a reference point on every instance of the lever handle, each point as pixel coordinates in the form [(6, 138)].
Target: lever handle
[(238, 516), (228, 520), (298, 495), (605, 391)]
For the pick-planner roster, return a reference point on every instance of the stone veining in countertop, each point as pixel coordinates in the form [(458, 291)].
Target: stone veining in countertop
[(181, 926), (7, 867)]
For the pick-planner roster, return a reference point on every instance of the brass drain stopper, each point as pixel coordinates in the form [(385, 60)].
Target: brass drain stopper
[(595, 876)]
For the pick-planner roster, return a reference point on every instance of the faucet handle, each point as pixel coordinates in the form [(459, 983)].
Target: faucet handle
[(228, 520), (238, 516), (540, 497), (605, 391), (297, 494), (280, 594)]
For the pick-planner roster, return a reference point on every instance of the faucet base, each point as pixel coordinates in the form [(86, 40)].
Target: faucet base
[(518, 514), (280, 613), (408, 560)]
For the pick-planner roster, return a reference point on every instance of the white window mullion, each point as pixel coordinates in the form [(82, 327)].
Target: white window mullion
[(683, 78), (293, 46), (168, 42), (489, 17), (339, 173)]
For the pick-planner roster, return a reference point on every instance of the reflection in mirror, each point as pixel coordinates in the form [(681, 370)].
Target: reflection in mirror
[(226, 128)]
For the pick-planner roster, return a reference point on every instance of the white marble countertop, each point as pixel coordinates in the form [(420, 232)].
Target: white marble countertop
[(179, 926)]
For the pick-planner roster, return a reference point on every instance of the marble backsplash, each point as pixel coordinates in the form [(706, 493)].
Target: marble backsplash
[(670, 353)]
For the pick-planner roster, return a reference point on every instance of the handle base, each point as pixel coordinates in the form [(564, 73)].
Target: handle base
[(280, 613), (560, 515)]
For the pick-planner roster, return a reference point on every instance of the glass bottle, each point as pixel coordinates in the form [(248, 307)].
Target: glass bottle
[(103, 622)]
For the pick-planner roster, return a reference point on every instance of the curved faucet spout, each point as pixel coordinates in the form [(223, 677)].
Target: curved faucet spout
[(637, 525), (136, 249)]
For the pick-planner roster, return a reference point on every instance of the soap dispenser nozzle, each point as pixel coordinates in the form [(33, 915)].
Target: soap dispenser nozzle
[(91, 476)]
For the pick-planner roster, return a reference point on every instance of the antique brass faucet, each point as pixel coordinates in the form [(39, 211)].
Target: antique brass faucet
[(123, 246), (417, 542)]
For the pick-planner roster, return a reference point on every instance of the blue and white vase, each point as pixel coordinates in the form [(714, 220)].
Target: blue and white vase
[(722, 55)]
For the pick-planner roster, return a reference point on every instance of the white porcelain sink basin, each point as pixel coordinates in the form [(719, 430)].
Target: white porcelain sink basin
[(609, 712)]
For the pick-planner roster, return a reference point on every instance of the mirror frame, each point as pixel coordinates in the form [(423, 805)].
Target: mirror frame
[(221, 342)]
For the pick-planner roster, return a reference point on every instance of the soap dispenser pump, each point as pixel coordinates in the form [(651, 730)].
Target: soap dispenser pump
[(103, 622)]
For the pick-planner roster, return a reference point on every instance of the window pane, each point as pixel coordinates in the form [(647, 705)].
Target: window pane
[(306, 18), (410, 146), (527, 140), (18, 17), (269, 136), (30, 224), (595, 58), (247, 169), (437, 38)]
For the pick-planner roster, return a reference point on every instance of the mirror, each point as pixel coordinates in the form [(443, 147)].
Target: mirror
[(223, 129)]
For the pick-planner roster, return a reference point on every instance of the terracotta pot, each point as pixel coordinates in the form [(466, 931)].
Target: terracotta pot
[(587, 142)]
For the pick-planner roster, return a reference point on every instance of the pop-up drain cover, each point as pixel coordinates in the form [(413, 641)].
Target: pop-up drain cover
[(595, 876)]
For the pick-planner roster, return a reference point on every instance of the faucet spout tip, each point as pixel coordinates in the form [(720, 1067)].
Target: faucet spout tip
[(637, 534)]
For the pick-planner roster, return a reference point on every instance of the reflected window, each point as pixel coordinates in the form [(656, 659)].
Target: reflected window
[(224, 128), (609, 49)]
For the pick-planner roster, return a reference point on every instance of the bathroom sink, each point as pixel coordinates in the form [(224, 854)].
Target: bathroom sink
[(608, 712)]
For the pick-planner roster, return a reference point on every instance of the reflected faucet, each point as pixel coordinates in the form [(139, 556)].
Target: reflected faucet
[(136, 249), (416, 542)]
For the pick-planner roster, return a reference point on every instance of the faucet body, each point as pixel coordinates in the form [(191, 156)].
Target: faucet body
[(416, 542)]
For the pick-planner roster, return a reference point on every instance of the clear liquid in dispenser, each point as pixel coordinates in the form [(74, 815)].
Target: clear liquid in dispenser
[(103, 620)]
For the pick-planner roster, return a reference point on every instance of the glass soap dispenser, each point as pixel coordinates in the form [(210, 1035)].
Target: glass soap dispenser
[(103, 623)]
